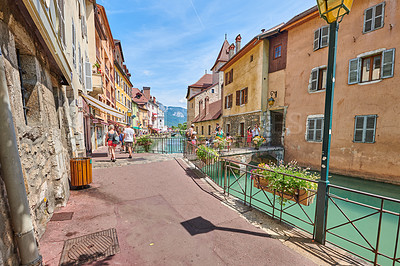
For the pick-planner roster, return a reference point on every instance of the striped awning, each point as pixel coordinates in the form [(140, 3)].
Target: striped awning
[(102, 106)]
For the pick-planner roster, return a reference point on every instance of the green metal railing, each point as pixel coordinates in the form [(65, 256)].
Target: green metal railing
[(364, 224)]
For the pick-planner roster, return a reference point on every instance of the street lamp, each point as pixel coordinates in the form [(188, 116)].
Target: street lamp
[(332, 11)]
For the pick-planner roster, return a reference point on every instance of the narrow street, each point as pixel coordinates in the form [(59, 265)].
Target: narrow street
[(161, 217)]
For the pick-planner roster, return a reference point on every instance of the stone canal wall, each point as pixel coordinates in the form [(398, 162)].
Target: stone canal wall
[(43, 132)]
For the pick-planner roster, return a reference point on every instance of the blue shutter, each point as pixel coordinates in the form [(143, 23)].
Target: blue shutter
[(354, 70), (388, 63)]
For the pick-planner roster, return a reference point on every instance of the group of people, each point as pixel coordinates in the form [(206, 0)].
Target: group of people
[(251, 133), (127, 138)]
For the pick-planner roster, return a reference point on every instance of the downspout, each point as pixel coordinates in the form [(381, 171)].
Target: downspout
[(11, 172)]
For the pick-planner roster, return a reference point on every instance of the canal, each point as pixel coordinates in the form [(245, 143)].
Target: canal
[(360, 236)]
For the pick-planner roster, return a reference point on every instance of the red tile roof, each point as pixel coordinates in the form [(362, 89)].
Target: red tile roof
[(214, 112), (204, 82), (223, 55), (142, 99)]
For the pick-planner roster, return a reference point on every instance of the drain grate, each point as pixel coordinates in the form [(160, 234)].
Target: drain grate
[(90, 248), (62, 216)]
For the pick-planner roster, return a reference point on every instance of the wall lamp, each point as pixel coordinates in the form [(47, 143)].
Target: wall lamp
[(271, 100)]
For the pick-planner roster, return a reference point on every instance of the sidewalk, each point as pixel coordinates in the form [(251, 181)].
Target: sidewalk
[(162, 217)]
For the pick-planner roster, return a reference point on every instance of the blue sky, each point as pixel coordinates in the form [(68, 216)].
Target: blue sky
[(168, 44)]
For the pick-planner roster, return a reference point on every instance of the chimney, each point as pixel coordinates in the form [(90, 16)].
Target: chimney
[(231, 50), (262, 30), (238, 42), (146, 92)]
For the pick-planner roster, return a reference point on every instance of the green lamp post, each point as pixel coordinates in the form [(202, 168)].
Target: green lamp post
[(332, 11)]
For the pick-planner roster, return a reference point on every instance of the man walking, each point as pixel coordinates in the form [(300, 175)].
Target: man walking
[(129, 138)]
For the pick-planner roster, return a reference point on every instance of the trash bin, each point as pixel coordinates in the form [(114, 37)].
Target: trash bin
[(81, 171)]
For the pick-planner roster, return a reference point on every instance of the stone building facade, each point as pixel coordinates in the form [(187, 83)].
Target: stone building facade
[(36, 74)]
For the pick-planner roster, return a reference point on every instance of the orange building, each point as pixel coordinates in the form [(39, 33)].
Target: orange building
[(366, 121)]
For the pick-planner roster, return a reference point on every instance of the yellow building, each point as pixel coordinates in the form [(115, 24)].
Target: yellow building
[(142, 117), (123, 86)]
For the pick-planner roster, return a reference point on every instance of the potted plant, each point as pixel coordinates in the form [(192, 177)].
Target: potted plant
[(220, 143), (145, 141), (258, 141), (289, 182), (205, 153)]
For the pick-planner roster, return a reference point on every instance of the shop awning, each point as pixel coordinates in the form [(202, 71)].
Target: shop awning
[(136, 127), (102, 106)]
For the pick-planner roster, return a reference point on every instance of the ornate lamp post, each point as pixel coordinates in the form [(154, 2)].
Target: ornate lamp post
[(332, 11)]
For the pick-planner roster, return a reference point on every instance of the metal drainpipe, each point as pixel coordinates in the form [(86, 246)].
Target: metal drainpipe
[(11, 172)]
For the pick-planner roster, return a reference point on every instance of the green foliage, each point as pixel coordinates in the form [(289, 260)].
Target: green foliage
[(283, 178), (144, 140), (204, 152)]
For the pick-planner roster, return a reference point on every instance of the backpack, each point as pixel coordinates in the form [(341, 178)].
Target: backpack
[(116, 138)]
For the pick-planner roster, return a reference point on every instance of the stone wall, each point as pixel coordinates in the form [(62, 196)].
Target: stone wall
[(44, 138), (249, 120)]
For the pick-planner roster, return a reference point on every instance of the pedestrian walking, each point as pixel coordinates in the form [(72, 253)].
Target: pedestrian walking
[(249, 136), (121, 139), (129, 139), (112, 141)]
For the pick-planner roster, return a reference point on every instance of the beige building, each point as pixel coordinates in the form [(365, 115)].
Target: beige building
[(44, 75), (365, 121), (203, 83)]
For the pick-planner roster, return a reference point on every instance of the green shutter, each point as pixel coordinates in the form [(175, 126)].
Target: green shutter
[(388, 63), (354, 70)]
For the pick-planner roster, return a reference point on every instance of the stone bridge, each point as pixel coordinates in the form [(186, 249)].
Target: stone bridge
[(264, 154)]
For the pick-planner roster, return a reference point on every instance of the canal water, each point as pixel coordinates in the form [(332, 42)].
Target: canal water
[(359, 237)]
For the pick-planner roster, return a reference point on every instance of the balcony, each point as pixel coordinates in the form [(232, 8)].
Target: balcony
[(97, 84)]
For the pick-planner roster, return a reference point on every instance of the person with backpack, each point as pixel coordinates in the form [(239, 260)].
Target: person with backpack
[(112, 140), (121, 139)]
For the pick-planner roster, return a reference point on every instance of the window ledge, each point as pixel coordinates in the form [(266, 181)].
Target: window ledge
[(369, 82), (314, 141), (318, 91)]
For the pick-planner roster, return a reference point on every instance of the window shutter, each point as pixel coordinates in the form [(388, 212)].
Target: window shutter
[(88, 75), (237, 97), (358, 129), (388, 63), (231, 76), (245, 95), (368, 19), (230, 100), (316, 39), (324, 36), (354, 70), (226, 102), (370, 129), (379, 16), (226, 78), (313, 83)]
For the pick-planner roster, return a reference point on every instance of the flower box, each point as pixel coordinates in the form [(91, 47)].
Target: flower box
[(301, 196)]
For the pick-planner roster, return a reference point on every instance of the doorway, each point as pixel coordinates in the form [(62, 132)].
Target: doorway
[(276, 128)]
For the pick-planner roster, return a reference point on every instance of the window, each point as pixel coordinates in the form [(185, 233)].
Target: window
[(364, 128), (80, 62), (315, 128), (209, 129), (119, 98), (241, 96), (212, 90), (241, 129), (251, 58), (228, 101), (228, 128), (229, 77), (197, 129), (317, 80), (61, 22), (321, 38), (277, 51), (373, 17), (200, 106), (202, 130), (73, 44), (373, 67)]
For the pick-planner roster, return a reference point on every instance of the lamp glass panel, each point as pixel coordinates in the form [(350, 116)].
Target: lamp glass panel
[(335, 7)]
